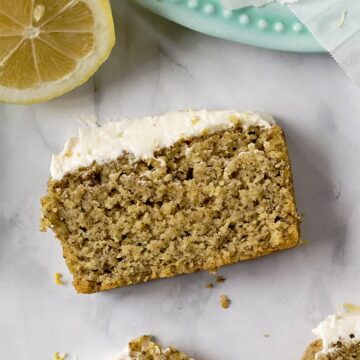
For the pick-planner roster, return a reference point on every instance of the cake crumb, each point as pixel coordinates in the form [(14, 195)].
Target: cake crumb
[(195, 120), (58, 279), (225, 301), (220, 279), (205, 132), (266, 335), (351, 307), (210, 285), (234, 120), (58, 356)]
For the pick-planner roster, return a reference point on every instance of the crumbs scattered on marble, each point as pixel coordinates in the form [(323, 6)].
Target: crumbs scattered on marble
[(224, 301), (220, 279), (58, 356), (58, 279), (210, 285), (351, 307)]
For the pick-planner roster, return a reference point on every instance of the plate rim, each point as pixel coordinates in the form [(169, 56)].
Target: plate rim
[(204, 16)]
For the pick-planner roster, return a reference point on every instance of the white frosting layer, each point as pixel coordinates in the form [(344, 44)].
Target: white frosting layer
[(142, 137), (338, 327)]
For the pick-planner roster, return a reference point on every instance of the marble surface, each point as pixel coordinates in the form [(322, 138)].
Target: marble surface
[(158, 66)]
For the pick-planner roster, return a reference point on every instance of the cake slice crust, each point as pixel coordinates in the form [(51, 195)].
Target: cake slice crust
[(200, 204)]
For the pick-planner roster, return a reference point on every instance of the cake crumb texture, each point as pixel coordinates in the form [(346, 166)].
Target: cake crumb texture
[(200, 204), (342, 351), (144, 348)]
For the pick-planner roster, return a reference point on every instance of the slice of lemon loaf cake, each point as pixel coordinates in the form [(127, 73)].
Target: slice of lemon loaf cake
[(143, 199), (337, 337), (144, 348)]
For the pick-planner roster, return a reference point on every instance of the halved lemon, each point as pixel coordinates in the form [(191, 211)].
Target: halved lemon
[(49, 47)]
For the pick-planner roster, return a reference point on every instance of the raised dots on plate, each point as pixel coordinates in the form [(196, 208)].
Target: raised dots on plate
[(209, 9), (244, 19), (279, 27), (298, 27), (193, 4), (227, 13), (262, 24)]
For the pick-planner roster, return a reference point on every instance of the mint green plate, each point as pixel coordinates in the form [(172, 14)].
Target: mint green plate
[(272, 26)]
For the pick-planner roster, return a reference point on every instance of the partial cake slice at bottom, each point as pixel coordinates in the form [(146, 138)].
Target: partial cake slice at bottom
[(338, 337), (151, 198), (144, 348)]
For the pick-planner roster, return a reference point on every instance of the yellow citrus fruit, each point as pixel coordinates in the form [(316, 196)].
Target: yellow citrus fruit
[(49, 47)]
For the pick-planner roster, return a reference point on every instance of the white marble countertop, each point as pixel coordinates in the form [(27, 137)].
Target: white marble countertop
[(158, 66)]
